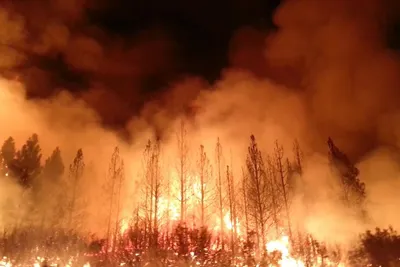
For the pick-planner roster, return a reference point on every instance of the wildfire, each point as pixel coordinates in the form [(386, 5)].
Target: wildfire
[(39, 262), (124, 226), (230, 224), (282, 246)]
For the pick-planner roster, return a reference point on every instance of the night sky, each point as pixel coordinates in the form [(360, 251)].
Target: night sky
[(201, 29)]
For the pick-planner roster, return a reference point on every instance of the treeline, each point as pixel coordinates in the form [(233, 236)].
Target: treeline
[(192, 212)]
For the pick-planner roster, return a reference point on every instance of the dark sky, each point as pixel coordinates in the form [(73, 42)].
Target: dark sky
[(202, 29)]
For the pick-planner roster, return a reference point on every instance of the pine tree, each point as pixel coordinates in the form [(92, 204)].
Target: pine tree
[(8, 153), (53, 168), (117, 176), (231, 202), (48, 196), (27, 162), (298, 158), (205, 174), (258, 192), (76, 170), (113, 190), (271, 176), (353, 190), (182, 168), (156, 189), (218, 161), (283, 183)]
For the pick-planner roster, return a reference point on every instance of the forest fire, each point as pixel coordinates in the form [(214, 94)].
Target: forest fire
[(282, 246), (185, 218), (288, 158)]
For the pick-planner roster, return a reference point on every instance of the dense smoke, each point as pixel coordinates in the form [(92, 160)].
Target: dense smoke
[(325, 71)]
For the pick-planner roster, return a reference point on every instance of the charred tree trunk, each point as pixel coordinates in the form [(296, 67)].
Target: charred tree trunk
[(75, 173), (283, 184), (182, 169), (202, 183), (219, 187), (231, 211)]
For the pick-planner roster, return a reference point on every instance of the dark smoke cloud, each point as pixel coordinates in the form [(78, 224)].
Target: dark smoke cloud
[(52, 45), (334, 53)]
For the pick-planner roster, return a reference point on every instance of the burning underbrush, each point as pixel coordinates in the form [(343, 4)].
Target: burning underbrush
[(184, 246), (189, 247)]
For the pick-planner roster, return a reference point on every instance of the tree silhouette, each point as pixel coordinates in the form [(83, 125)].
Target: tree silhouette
[(76, 170), (379, 248), (182, 168), (8, 153), (53, 168), (283, 173), (205, 174), (218, 163), (113, 189), (259, 200), (27, 162), (353, 188), (47, 193)]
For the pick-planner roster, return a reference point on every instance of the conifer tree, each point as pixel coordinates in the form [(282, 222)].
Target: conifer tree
[(113, 190), (283, 183), (219, 170), (259, 199), (27, 162), (53, 168), (353, 190), (48, 196), (182, 169), (8, 153), (205, 174), (76, 170)]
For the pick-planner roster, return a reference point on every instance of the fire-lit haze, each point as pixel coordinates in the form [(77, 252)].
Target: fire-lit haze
[(328, 69)]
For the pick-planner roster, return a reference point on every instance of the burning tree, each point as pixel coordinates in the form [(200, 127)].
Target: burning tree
[(8, 153), (283, 172), (27, 162), (206, 190), (48, 192), (182, 168), (273, 187), (76, 170), (114, 187), (218, 163), (232, 208), (54, 167), (352, 188), (153, 190), (258, 193)]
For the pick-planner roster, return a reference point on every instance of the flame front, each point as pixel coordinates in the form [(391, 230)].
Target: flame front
[(282, 246)]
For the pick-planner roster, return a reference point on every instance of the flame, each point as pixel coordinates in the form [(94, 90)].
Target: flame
[(5, 262), (230, 225), (39, 261), (282, 246), (124, 226)]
